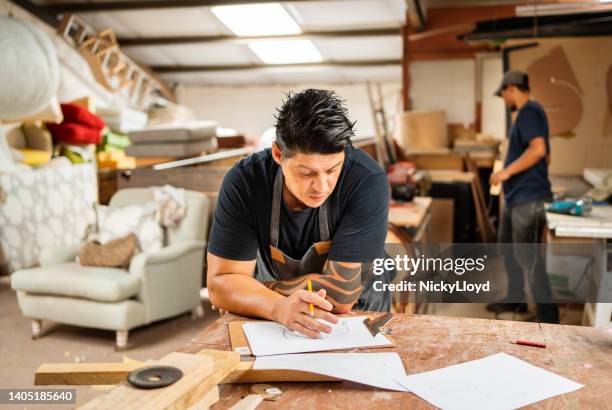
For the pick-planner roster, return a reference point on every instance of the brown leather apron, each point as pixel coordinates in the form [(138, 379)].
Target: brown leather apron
[(284, 267)]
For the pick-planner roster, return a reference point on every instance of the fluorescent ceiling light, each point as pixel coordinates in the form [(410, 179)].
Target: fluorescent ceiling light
[(286, 51), (257, 19)]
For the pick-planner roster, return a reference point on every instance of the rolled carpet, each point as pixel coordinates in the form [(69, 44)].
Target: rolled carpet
[(29, 72)]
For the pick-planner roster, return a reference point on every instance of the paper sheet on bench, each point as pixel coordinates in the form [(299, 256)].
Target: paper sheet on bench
[(373, 369), (268, 338), (499, 381)]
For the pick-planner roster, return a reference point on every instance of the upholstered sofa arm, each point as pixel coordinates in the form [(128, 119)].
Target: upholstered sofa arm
[(55, 256), (170, 278), (175, 251)]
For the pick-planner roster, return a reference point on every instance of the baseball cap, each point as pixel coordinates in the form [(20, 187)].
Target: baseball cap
[(512, 77)]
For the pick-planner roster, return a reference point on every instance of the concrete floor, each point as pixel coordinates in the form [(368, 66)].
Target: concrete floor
[(20, 356)]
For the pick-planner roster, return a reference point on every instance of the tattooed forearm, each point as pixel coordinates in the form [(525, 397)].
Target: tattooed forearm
[(342, 283)]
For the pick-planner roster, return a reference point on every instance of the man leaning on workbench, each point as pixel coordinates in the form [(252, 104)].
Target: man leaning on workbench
[(312, 207), (526, 188)]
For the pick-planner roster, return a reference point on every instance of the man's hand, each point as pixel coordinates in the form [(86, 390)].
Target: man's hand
[(293, 312), (499, 177), (341, 281)]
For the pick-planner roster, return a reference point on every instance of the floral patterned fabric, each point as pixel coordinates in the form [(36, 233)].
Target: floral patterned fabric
[(44, 208)]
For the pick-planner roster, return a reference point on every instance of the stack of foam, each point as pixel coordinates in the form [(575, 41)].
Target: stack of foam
[(183, 140), (79, 131), (111, 151), (123, 121)]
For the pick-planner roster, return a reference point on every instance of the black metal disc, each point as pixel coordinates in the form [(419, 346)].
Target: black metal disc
[(154, 377)]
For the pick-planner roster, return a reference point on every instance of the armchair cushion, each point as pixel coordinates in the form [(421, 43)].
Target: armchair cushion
[(172, 252), (73, 280), (114, 254), (57, 255), (118, 222)]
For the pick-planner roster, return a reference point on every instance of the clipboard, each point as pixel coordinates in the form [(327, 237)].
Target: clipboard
[(240, 344)]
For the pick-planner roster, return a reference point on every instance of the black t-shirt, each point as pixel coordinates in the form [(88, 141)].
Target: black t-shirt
[(358, 213), (531, 184)]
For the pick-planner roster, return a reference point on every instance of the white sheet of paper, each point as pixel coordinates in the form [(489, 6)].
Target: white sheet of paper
[(269, 338), (499, 381), (373, 369)]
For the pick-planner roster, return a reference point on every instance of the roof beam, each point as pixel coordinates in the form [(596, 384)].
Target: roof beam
[(166, 69), (68, 7), (547, 26), (162, 41)]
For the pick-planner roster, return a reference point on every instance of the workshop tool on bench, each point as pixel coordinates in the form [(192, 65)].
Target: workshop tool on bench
[(576, 207), (376, 326), (154, 377)]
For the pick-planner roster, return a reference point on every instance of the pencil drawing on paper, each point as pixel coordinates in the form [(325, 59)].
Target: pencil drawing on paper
[(339, 328)]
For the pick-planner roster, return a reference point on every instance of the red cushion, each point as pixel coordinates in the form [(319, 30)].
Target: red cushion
[(71, 133), (80, 115)]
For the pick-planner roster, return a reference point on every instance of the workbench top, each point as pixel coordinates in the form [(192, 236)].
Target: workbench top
[(598, 224), (425, 342)]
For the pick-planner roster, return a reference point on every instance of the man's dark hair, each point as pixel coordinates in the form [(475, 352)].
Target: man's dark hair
[(313, 121)]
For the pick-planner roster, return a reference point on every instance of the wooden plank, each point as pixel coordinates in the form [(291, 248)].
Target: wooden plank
[(186, 392), (250, 402), (196, 178), (450, 161), (231, 155), (486, 229), (406, 215), (244, 373), (406, 60), (238, 339), (496, 189), (113, 373), (224, 363), (451, 176), (83, 373), (209, 398), (411, 214)]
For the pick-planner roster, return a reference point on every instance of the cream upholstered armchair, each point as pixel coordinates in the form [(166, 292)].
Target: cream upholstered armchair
[(156, 286)]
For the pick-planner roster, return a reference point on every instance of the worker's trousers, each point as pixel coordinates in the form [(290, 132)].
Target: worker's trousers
[(522, 226)]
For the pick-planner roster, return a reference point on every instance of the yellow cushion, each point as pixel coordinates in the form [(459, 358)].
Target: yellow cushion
[(35, 157)]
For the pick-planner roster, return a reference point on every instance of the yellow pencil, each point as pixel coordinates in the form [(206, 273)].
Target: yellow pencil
[(310, 290)]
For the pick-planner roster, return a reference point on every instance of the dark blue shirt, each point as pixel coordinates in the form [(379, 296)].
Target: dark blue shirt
[(358, 212), (531, 184)]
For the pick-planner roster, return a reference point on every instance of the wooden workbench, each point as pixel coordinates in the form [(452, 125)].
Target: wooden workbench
[(596, 229), (583, 354), (411, 214)]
